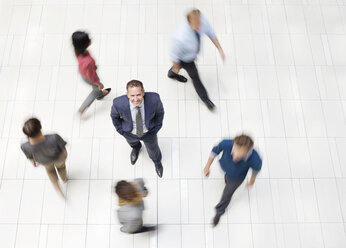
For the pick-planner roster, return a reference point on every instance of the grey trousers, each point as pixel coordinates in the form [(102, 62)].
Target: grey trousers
[(230, 187), (150, 141), (95, 93)]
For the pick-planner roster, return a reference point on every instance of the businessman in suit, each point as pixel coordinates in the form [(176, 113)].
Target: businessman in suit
[(137, 116)]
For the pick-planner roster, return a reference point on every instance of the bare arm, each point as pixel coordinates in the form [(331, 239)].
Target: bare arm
[(207, 166), (252, 179), (218, 46)]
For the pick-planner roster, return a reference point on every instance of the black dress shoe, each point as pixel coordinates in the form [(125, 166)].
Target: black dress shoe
[(216, 220), (210, 104), (134, 155), (176, 76), (159, 169), (146, 229), (100, 97)]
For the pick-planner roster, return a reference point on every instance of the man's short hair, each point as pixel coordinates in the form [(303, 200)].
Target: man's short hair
[(32, 127), (193, 14), (243, 141), (134, 83)]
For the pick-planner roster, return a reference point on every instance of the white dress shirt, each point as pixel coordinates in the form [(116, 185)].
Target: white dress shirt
[(134, 114), (184, 45)]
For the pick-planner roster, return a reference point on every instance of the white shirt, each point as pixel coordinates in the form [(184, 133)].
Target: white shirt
[(184, 45), (133, 109)]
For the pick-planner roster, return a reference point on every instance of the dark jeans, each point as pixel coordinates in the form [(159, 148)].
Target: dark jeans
[(193, 73), (150, 141), (230, 187)]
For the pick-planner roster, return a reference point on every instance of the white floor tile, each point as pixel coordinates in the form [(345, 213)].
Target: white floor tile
[(170, 236), (27, 236), (310, 235), (10, 197), (76, 209), (192, 235), (261, 202), (279, 166), (288, 235), (283, 83), (74, 236), (328, 200), (333, 234), (299, 157), (264, 235), (168, 202), (8, 235), (240, 235), (314, 119), (99, 209), (277, 19), (31, 204), (53, 209), (305, 193), (283, 201), (97, 236)]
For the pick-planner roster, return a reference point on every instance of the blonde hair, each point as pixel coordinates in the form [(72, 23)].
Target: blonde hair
[(244, 141), (193, 14)]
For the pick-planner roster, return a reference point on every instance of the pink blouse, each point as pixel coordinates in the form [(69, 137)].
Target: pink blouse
[(87, 67)]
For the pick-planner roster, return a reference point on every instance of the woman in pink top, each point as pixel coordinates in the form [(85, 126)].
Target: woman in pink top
[(87, 69)]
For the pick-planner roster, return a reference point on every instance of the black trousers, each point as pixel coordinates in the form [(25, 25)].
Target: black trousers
[(193, 73), (230, 187), (150, 141)]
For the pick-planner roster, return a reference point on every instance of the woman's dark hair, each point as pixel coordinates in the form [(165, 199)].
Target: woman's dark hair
[(80, 41), (32, 127), (134, 83), (125, 190)]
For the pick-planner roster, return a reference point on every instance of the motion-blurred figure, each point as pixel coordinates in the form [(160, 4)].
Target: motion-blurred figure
[(87, 69), (237, 157), (186, 44), (47, 150), (131, 205)]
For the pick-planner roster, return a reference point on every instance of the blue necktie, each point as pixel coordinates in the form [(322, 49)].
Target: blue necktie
[(198, 40)]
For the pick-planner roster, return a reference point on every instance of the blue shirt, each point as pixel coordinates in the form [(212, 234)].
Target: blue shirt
[(236, 170), (185, 44)]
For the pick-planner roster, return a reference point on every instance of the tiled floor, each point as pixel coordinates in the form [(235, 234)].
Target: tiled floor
[(284, 82)]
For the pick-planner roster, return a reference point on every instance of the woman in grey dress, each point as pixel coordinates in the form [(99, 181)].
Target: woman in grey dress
[(131, 206)]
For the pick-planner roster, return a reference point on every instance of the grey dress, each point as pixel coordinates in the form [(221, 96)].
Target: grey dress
[(130, 216)]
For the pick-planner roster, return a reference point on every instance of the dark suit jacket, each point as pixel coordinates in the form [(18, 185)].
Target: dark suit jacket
[(153, 108)]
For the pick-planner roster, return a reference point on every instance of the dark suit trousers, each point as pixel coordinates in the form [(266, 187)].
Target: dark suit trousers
[(193, 73), (230, 187), (150, 141)]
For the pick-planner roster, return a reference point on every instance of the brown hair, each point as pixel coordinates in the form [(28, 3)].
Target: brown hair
[(134, 83), (193, 14), (244, 141), (32, 127), (125, 190)]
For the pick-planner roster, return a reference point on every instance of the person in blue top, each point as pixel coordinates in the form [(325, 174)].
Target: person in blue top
[(237, 158)]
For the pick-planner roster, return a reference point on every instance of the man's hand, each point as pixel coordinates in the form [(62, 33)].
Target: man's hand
[(34, 163), (222, 54), (251, 182), (100, 86), (206, 171)]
